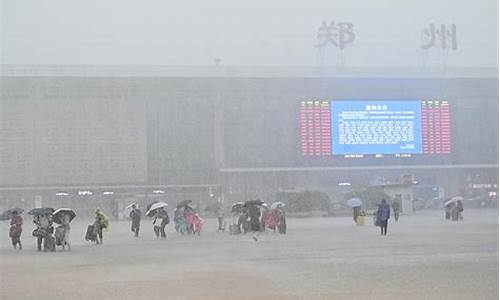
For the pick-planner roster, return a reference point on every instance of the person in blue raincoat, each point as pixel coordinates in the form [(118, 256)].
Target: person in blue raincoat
[(180, 220)]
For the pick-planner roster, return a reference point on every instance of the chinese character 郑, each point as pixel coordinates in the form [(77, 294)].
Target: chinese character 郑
[(338, 35)]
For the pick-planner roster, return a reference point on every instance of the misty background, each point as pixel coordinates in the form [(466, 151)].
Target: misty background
[(252, 33), (102, 95)]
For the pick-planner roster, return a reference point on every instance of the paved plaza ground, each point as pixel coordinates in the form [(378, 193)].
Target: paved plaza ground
[(422, 257)]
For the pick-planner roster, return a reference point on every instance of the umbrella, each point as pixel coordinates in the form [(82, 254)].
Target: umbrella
[(58, 215), (150, 204), (132, 204), (41, 211), (255, 202), (458, 198), (154, 207), (448, 202), (184, 203), (7, 215), (354, 202), (236, 207), (277, 204)]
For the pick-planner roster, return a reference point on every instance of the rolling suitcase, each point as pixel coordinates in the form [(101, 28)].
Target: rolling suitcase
[(59, 235), (234, 229), (90, 235), (49, 243)]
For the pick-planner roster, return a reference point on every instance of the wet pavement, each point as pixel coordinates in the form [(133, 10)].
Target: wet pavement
[(422, 257)]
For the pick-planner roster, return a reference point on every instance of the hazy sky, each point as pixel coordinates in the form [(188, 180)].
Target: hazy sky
[(257, 32)]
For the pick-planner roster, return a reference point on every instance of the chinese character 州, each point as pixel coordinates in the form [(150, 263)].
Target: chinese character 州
[(447, 37), (338, 35)]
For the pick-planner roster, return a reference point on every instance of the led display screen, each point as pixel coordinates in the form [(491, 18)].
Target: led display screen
[(375, 127)]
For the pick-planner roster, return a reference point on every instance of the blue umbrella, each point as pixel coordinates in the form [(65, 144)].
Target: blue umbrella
[(7, 215), (354, 202), (277, 204), (41, 211)]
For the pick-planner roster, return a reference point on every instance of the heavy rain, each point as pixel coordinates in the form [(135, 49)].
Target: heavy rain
[(318, 149)]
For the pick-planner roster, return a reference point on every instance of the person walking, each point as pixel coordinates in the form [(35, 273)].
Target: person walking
[(280, 217), (44, 229), (180, 220), (383, 215), (135, 215), (197, 223), (254, 215), (448, 209), (356, 212), (396, 207), (162, 214), (243, 223), (62, 232), (101, 222), (219, 213), (269, 220), (16, 229), (460, 209), (190, 220)]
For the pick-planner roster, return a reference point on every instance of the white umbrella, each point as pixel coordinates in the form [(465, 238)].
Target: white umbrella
[(448, 202), (132, 204), (236, 207), (277, 204), (57, 216), (354, 202), (155, 206)]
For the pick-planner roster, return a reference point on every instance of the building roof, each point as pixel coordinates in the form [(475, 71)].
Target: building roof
[(238, 71)]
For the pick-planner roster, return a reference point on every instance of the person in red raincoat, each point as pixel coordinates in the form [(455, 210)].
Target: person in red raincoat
[(269, 220), (194, 222)]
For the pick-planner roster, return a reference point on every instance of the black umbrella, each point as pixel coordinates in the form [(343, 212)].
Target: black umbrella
[(59, 214), (184, 203), (41, 211), (255, 202), (7, 215)]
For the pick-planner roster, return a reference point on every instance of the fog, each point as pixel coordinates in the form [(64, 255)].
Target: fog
[(308, 106), (254, 33)]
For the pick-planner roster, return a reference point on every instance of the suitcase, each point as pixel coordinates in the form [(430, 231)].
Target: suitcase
[(360, 220), (90, 235), (234, 229), (59, 234), (49, 243)]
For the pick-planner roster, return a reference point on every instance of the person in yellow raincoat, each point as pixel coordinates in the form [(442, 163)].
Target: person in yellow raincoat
[(101, 222)]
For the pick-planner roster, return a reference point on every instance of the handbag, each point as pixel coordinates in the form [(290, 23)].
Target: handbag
[(39, 232), (14, 231)]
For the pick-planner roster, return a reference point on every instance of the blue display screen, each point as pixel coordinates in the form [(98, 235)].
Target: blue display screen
[(376, 127)]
